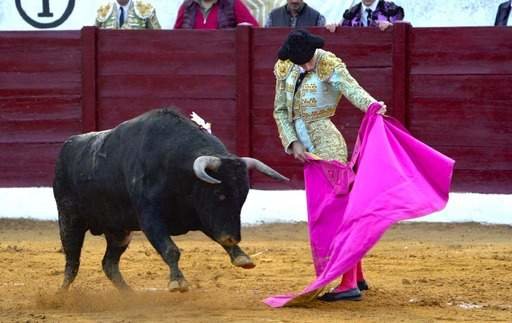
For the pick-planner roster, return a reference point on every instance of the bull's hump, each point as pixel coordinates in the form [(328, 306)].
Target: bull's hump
[(96, 133), (89, 135), (93, 135), (93, 139)]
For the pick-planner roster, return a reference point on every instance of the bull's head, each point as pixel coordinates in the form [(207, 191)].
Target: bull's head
[(222, 193)]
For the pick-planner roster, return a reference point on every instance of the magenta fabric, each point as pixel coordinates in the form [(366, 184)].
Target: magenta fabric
[(397, 178)]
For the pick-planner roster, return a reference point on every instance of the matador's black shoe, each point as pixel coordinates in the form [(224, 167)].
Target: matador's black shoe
[(353, 294), (362, 285)]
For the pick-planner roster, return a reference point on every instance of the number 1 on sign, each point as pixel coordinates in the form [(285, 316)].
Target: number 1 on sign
[(46, 10)]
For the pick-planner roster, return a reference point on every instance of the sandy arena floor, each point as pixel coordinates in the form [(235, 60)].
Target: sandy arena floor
[(417, 273)]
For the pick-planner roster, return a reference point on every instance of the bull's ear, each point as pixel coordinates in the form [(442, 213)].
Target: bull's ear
[(206, 162), (253, 163)]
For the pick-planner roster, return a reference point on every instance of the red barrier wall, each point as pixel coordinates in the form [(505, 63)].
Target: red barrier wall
[(459, 101), (40, 94), (449, 86)]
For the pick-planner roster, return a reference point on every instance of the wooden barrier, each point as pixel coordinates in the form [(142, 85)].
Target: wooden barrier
[(449, 86), (40, 102)]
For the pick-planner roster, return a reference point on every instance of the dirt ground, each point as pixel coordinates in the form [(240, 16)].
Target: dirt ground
[(418, 272)]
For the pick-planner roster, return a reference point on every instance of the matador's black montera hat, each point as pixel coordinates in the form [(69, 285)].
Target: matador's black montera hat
[(300, 47)]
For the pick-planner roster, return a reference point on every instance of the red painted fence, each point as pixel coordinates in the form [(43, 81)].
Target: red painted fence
[(449, 86)]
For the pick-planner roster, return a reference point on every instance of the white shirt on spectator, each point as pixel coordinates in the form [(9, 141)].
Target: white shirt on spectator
[(364, 14), (509, 23)]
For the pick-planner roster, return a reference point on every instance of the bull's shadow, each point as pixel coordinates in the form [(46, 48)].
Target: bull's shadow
[(160, 173)]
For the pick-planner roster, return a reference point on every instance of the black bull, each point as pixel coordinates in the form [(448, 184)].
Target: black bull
[(159, 173)]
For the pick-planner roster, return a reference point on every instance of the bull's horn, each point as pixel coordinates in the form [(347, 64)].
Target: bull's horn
[(206, 162), (260, 166)]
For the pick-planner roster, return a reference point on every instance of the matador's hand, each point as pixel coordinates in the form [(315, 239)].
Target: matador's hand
[(383, 108), (299, 151)]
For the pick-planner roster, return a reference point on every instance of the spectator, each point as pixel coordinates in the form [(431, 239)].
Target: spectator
[(295, 13), (261, 8), (213, 14), (503, 15), (127, 14), (371, 13)]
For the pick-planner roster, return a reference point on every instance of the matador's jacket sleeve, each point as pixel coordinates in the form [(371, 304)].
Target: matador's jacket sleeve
[(332, 69), (147, 12), (282, 115)]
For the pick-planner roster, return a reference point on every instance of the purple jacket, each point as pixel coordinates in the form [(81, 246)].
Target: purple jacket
[(385, 11)]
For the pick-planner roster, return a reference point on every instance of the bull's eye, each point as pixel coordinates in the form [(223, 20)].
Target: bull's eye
[(222, 197)]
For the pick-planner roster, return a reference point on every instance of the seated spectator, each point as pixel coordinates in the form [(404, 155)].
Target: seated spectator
[(261, 8), (213, 14), (371, 13), (503, 15), (127, 14), (294, 14)]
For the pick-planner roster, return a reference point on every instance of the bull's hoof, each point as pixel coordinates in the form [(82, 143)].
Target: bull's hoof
[(61, 291), (244, 262), (125, 289), (178, 286)]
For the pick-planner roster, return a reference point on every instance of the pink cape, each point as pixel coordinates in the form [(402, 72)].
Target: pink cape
[(397, 178)]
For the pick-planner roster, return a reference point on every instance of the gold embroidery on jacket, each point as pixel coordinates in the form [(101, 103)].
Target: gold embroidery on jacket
[(314, 115), (309, 103), (351, 89), (143, 10), (309, 87), (323, 113), (326, 65), (282, 69), (104, 12), (328, 142)]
